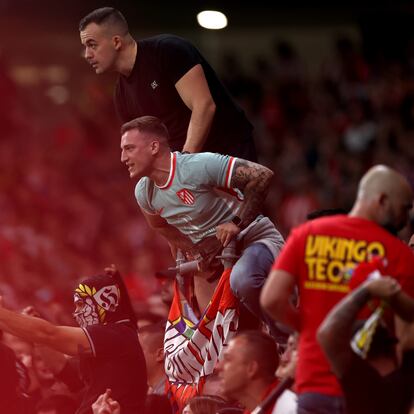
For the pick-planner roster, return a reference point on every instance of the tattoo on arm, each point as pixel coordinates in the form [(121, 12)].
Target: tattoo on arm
[(253, 180)]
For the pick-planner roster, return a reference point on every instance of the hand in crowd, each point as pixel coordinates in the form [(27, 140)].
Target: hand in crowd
[(383, 287), (226, 232), (105, 404)]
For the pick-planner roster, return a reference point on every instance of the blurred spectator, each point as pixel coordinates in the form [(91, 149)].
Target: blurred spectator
[(320, 257), (57, 404), (166, 281), (151, 338), (206, 404), (248, 367), (106, 340), (287, 402), (375, 383)]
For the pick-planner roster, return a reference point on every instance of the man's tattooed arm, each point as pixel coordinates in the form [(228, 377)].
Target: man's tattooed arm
[(253, 180)]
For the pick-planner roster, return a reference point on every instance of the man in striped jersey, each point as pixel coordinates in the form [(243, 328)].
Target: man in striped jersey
[(200, 203)]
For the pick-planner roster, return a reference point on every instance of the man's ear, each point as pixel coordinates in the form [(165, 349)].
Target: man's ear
[(155, 147), (252, 369), (117, 42), (383, 199), (159, 355)]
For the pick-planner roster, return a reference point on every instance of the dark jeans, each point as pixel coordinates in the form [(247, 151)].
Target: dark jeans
[(314, 403), (246, 281)]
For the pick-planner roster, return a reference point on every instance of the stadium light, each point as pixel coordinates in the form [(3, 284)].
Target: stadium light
[(211, 19)]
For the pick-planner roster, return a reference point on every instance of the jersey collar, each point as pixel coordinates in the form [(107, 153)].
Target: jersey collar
[(170, 179)]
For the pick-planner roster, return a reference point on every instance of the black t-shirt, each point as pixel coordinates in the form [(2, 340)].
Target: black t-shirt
[(366, 391), (116, 362), (150, 90)]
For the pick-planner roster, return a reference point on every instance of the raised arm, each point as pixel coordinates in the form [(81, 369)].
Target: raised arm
[(64, 339), (195, 93), (335, 332)]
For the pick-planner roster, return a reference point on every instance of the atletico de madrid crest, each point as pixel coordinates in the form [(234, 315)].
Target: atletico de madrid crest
[(186, 196)]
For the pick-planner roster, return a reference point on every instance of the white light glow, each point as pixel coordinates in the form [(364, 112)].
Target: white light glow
[(210, 19)]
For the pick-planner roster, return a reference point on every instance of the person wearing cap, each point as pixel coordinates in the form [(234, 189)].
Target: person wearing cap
[(377, 383), (106, 340)]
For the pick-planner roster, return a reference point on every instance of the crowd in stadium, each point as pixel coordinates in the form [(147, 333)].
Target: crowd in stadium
[(67, 211)]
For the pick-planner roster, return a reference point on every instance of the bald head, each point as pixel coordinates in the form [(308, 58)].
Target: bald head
[(384, 196), (382, 179)]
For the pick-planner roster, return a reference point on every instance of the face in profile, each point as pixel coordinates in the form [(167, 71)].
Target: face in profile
[(100, 51), (232, 369), (136, 153)]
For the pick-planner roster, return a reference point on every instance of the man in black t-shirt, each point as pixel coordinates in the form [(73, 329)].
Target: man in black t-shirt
[(167, 77), (106, 341)]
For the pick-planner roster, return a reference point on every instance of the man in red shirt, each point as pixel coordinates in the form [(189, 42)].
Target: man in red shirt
[(320, 257)]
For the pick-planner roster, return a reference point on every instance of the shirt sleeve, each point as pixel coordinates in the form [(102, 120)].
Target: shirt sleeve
[(291, 256), (212, 169), (179, 56), (142, 195)]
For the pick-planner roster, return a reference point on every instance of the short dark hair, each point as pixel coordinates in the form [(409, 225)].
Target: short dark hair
[(325, 212), (149, 124), (204, 404), (262, 348), (106, 15)]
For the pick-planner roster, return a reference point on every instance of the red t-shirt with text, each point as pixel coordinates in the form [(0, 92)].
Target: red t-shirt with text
[(322, 254)]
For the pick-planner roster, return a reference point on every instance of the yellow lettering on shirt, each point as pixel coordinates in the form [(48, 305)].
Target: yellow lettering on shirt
[(330, 260)]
